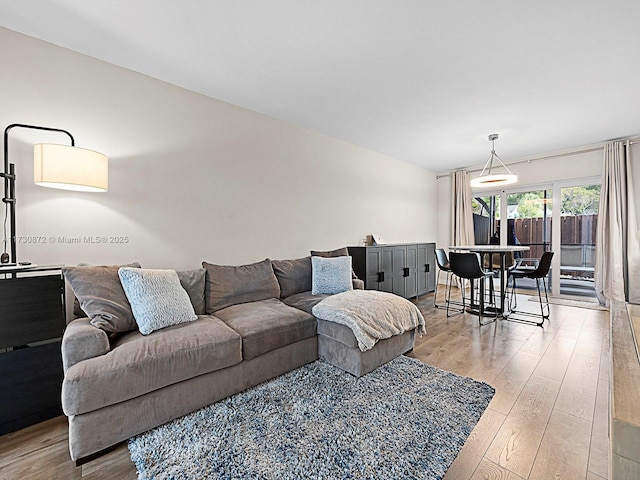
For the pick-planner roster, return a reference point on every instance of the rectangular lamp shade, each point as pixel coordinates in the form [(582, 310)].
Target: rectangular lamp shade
[(70, 168)]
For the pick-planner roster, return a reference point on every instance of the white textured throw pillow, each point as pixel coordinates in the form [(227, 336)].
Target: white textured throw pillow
[(157, 299), (330, 275)]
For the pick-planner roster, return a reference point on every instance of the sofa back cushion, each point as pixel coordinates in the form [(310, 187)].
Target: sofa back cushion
[(294, 276), (338, 252), (230, 285), (193, 281), (77, 310), (100, 294)]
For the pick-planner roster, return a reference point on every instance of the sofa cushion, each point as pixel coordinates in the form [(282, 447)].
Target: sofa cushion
[(101, 296), (139, 364), (267, 325), (230, 285), (294, 276), (338, 332), (77, 310), (304, 301), (156, 297), (338, 252), (330, 275), (81, 341), (193, 282)]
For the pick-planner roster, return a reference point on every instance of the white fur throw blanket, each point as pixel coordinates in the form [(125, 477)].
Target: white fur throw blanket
[(370, 314)]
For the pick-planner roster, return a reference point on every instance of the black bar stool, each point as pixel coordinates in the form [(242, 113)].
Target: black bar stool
[(468, 266), (444, 266), (539, 273)]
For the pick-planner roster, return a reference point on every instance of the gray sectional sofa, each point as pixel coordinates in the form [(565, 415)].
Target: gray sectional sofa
[(254, 323)]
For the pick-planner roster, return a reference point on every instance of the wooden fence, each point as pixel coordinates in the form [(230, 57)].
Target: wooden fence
[(574, 230)]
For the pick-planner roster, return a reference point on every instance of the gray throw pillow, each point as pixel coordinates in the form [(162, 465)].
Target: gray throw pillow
[(156, 297), (193, 282), (230, 285), (101, 297), (77, 310), (330, 275), (294, 276)]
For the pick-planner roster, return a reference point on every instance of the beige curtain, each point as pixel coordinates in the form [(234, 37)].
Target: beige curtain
[(461, 213), (617, 268)]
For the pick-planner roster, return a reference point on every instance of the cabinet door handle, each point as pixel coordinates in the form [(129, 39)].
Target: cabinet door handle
[(406, 271), (380, 277), (426, 267)]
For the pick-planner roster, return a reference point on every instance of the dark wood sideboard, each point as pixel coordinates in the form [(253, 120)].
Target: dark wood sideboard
[(32, 321), (407, 269)]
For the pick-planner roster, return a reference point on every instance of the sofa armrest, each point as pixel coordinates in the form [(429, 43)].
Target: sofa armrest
[(82, 341), (358, 284)]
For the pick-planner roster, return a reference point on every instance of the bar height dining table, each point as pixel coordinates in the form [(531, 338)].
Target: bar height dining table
[(501, 250)]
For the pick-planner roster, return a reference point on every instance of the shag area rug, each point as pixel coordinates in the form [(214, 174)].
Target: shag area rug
[(404, 420)]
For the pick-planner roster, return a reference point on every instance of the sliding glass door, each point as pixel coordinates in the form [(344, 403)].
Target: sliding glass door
[(579, 218), (527, 216)]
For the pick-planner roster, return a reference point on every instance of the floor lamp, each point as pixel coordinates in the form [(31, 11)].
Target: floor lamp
[(57, 166)]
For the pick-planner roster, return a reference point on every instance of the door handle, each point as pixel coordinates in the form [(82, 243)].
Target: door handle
[(406, 271), (380, 277), (426, 267)]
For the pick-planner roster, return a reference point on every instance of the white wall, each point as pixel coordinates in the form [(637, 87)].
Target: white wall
[(191, 178), (535, 173)]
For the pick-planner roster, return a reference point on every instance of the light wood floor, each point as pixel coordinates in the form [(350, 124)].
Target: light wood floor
[(549, 416), (547, 420)]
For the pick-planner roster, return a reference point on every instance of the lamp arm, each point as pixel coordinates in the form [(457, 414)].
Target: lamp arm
[(33, 127), (10, 178)]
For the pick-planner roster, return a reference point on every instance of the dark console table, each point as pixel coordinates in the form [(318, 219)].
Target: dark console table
[(32, 320), (407, 269)]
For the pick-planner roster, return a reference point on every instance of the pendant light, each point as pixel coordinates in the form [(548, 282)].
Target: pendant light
[(494, 179)]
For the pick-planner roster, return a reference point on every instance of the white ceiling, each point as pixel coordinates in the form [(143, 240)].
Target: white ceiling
[(421, 80)]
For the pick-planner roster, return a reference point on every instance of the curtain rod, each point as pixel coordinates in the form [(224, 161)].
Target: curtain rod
[(547, 157)]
